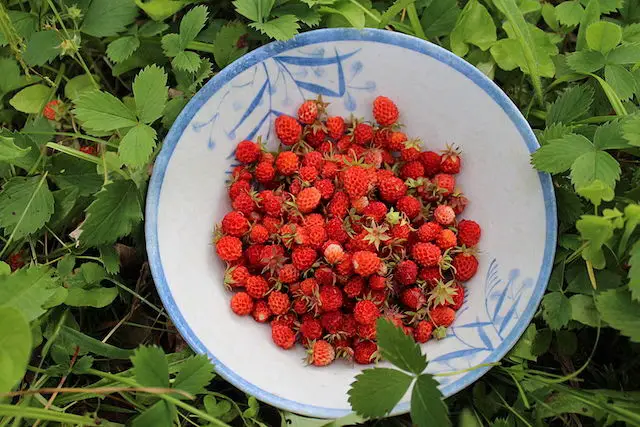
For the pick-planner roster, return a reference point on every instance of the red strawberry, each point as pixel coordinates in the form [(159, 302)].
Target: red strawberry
[(288, 130), (332, 321), (235, 224), (329, 170), (315, 136), (325, 276), (308, 112), (229, 248), (244, 203), (247, 152), (396, 141), (451, 161), (458, 298), (378, 283), (258, 234), (339, 205), (444, 215), (52, 110), (288, 274), (335, 126), (367, 332), (366, 312), (299, 305), (335, 230), (253, 254), (413, 170), (308, 199), (236, 276), (409, 205), (278, 302), (376, 211), (385, 111), (429, 231), (321, 353), (325, 187), (283, 336), (314, 219), (271, 224), (356, 181), (431, 162), (261, 312), (392, 189), (442, 316), (465, 266), (330, 298), (334, 253), (317, 235), (468, 233), (241, 304), (256, 286), (237, 188), (458, 202), (413, 298), (309, 287), (362, 133), (272, 205), (422, 331), (406, 272), (426, 254), (308, 173), (446, 183), (354, 287), (446, 239), (411, 150), (310, 328), (91, 150), (287, 163), (365, 352), (314, 159), (365, 263), (431, 275)]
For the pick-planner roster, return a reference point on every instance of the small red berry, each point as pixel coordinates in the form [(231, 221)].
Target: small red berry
[(241, 304)]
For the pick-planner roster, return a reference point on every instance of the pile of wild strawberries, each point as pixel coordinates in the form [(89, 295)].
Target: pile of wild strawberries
[(347, 222)]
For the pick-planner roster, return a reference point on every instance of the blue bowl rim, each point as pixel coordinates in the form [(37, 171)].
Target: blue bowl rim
[(301, 40)]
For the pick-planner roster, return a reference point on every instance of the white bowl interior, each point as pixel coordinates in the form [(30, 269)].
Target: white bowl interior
[(442, 100)]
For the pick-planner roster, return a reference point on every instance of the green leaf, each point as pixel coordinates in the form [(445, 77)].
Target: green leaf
[(618, 309), (110, 259), (11, 78), (150, 28), (122, 48), (571, 105), (621, 80), (225, 47), (541, 342), (375, 392), (596, 231), (192, 23), (43, 47), (95, 297), (603, 36), (399, 348), (609, 136), (26, 204), (569, 13), (91, 345), (523, 348), (137, 145), (586, 61), (474, 26), (626, 54), (439, 18), (596, 192), (195, 374), (28, 289), (113, 213), (255, 10), (151, 367), (79, 85), (5, 269), (31, 99), (631, 130), (591, 15), (161, 414), (556, 310), (15, 347), (102, 111), (150, 93), (468, 419), (427, 406), (159, 10), (171, 45), (10, 151), (550, 17), (281, 28), (634, 271), (559, 154), (253, 409), (187, 61), (595, 165), (68, 172), (106, 18), (353, 14), (566, 342), (583, 310)]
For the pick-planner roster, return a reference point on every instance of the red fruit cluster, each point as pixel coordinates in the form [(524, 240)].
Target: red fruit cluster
[(347, 222)]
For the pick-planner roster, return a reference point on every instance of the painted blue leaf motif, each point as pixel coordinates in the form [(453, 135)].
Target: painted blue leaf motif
[(350, 102), (356, 67), (485, 339), (458, 354), (314, 62)]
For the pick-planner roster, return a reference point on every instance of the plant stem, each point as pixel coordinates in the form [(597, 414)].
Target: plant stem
[(415, 21), (46, 415)]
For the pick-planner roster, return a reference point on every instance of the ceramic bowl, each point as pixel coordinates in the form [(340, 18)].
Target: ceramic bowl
[(442, 99)]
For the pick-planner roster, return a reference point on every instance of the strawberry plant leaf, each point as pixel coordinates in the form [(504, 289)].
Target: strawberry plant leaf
[(399, 348), (427, 406), (150, 93), (31, 99), (28, 290), (586, 61), (591, 15), (26, 204), (439, 18), (345, 13), (68, 172), (631, 130), (225, 47), (186, 61), (113, 213), (596, 231), (255, 10), (105, 18), (281, 28), (95, 297), (79, 85), (161, 414), (304, 13), (621, 80), (573, 104), (110, 259), (192, 23), (609, 136), (583, 310), (10, 151), (159, 10), (596, 192), (101, 111), (15, 347), (522, 349), (122, 48), (556, 310), (150, 367), (375, 392), (618, 309), (559, 154), (5, 269), (195, 374), (603, 36), (626, 54), (171, 45), (474, 26), (595, 165), (634, 271), (73, 338), (43, 47), (569, 13)]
